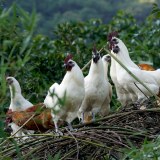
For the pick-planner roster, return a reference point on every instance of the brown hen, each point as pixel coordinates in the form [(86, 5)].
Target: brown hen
[(146, 67), (41, 121)]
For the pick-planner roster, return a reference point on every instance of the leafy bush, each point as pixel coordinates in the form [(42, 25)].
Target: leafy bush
[(37, 59), (61, 11), (149, 150), (16, 30)]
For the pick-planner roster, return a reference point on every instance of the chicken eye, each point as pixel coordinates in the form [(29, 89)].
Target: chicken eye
[(114, 41), (10, 81), (70, 62)]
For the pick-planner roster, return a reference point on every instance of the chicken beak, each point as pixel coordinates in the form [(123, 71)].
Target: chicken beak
[(9, 81), (95, 57), (64, 65), (116, 49), (68, 66), (112, 43)]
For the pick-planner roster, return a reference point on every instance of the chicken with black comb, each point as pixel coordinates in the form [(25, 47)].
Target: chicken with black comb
[(132, 86), (96, 90)]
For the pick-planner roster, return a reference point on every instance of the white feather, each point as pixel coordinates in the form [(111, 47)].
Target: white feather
[(96, 90), (50, 98), (18, 103), (125, 80), (72, 86), (122, 94), (125, 56), (105, 109)]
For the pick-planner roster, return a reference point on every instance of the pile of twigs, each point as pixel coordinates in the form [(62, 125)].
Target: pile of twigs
[(107, 136)]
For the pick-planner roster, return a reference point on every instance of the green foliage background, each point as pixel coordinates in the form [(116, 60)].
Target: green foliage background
[(36, 60), (55, 12)]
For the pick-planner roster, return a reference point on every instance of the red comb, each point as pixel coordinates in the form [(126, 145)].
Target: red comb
[(69, 56), (111, 35)]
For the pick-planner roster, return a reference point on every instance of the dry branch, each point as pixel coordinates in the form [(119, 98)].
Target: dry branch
[(106, 136)]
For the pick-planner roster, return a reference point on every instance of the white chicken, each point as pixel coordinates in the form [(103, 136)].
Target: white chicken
[(128, 82), (106, 59), (125, 56), (71, 90), (113, 40), (18, 103), (96, 90), (123, 95)]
